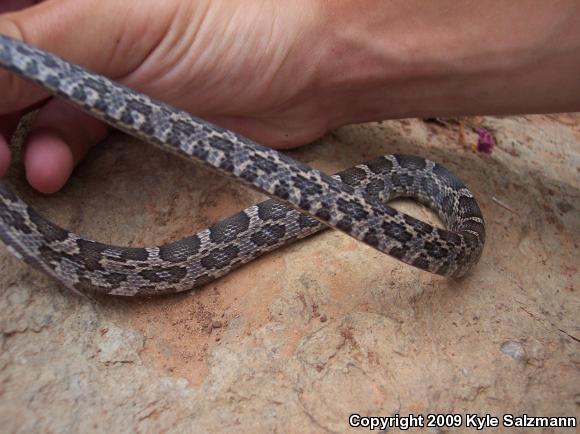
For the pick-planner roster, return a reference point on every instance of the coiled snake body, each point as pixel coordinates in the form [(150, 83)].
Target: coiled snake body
[(304, 200)]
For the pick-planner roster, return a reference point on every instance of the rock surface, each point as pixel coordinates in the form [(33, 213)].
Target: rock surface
[(303, 337)]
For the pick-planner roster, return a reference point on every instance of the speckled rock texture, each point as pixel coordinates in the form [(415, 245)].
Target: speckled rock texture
[(303, 337)]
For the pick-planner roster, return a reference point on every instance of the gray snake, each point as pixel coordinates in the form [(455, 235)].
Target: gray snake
[(304, 200)]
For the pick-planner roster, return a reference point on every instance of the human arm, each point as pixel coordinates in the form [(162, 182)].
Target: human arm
[(284, 73)]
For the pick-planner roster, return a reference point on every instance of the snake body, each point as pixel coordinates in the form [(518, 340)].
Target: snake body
[(304, 200)]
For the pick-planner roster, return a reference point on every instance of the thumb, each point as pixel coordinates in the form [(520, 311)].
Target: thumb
[(109, 37)]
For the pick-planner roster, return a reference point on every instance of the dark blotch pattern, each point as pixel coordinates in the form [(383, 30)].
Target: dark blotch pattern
[(219, 258), (50, 257), (376, 187), (380, 165), (352, 176), (32, 68), (268, 235), (181, 133), (282, 192), (307, 222), (397, 232), (229, 228), (265, 164), (158, 274), (14, 219), (323, 214), (308, 187), (134, 254), (411, 162), (181, 250), (421, 262), (272, 210), (223, 145), (96, 85), (468, 207), (436, 249), (354, 210), (371, 239), (344, 225), (79, 93), (50, 231), (127, 117), (92, 253)]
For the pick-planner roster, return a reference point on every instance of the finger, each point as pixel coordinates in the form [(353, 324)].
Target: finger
[(104, 42), (59, 138), (8, 124)]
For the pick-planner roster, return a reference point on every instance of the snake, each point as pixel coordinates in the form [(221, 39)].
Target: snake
[(302, 200)]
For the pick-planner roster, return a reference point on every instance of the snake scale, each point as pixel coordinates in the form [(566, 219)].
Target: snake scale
[(304, 200)]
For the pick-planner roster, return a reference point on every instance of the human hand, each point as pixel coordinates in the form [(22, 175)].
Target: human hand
[(284, 73), (238, 64)]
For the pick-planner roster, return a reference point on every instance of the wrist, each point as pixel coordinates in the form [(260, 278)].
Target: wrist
[(408, 59)]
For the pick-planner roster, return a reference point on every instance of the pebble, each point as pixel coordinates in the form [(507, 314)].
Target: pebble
[(514, 350)]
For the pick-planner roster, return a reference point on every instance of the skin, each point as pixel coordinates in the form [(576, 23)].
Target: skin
[(284, 73)]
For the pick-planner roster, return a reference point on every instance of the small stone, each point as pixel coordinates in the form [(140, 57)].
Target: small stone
[(514, 350), (323, 318), (216, 324)]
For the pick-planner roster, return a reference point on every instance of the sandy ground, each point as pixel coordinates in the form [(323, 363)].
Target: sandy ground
[(306, 336)]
